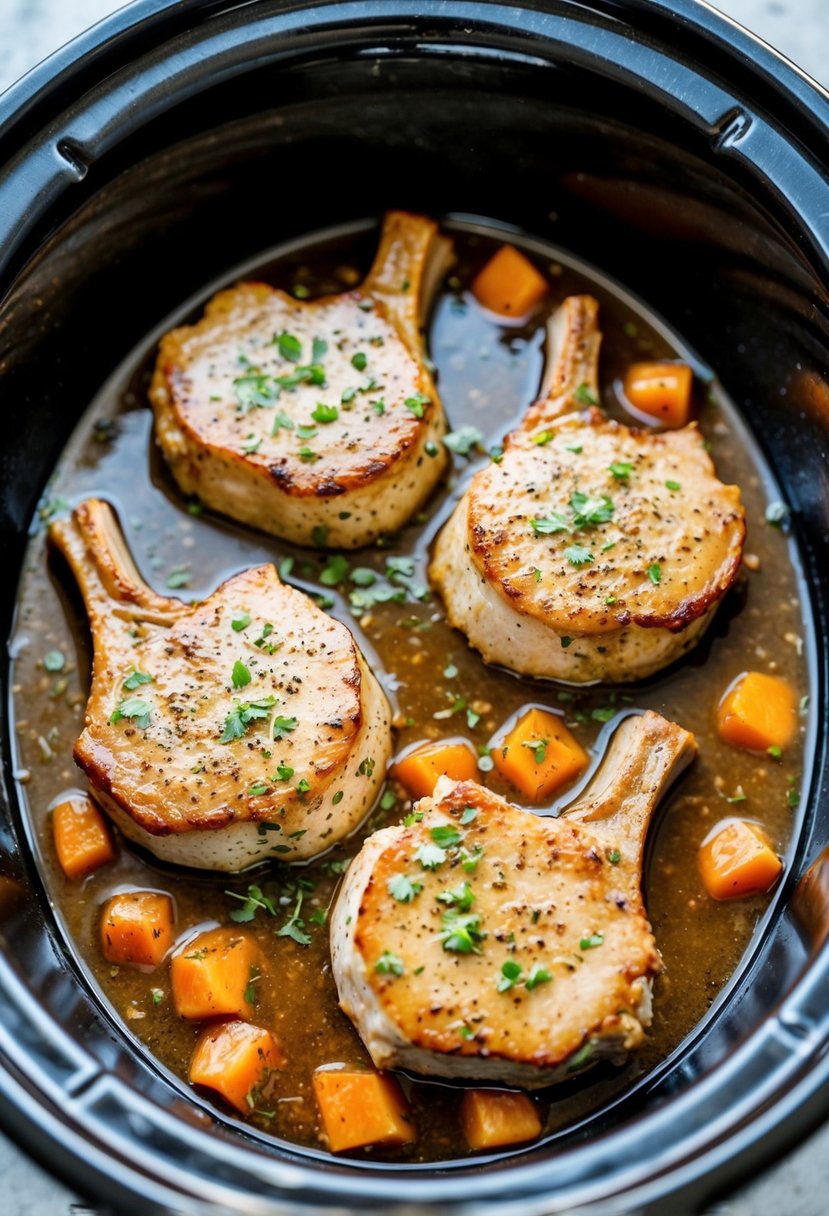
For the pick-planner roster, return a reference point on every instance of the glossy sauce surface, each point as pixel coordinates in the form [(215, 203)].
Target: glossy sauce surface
[(487, 375)]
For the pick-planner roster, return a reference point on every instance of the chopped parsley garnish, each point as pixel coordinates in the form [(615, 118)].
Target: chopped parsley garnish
[(303, 786), (359, 361), (240, 674), (542, 438), (241, 716), (621, 469), (580, 1057), (468, 814), (255, 390), (446, 836), (538, 747), (319, 535), (55, 660), (284, 772), (775, 752), (590, 943), (463, 440), (390, 964), (240, 622), (602, 713), (578, 555), (552, 523), (334, 570), (461, 897), (589, 512), (461, 933), (258, 790), (538, 975), (338, 797), (403, 889), (325, 413), (614, 857), (250, 991), (416, 404), (294, 927), (179, 577), (282, 422), (283, 726), (584, 396), (655, 573), (366, 767), (575, 448), (289, 346), (469, 861), (252, 901), (134, 708), (510, 975), (308, 455), (134, 680), (430, 856), (319, 348), (251, 443), (672, 485)]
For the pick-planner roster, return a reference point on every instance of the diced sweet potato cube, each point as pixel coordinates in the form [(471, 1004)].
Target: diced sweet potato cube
[(82, 838), (212, 975), (235, 1059), (420, 768), (492, 1118), (137, 927), (737, 859), (757, 711), (509, 284), (661, 391), (360, 1107), (539, 755)]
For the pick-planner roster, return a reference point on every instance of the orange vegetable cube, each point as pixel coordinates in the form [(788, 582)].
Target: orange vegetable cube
[(212, 975), (736, 859), (492, 1118), (360, 1107), (661, 391), (235, 1059), (757, 711), (539, 755), (420, 768), (82, 838), (137, 927), (509, 284)]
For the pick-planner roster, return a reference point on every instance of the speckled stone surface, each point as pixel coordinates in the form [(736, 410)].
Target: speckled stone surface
[(29, 31)]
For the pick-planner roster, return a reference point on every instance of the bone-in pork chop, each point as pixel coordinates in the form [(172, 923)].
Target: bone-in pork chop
[(221, 733), (316, 420), (486, 942), (593, 551)]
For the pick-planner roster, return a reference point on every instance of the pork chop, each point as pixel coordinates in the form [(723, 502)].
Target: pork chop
[(593, 551), (316, 420), (221, 733), (488, 943)]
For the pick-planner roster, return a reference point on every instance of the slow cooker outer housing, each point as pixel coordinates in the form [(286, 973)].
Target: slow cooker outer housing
[(663, 144)]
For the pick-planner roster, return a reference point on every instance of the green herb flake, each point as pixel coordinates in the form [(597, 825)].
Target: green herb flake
[(578, 555), (334, 571), (283, 726), (359, 361), (463, 440), (461, 933), (467, 815), (240, 675), (417, 403), (403, 889), (430, 856), (241, 716), (775, 752), (591, 942), (289, 346), (538, 975), (179, 577), (551, 524), (325, 413), (134, 708), (621, 469), (55, 660), (284, 772), (614, 857), (585, 396), (338, 797), (240, 623), (655, 573), (390, 964), (319, 535), (673, 486), (446, 836), (136, 678), (510, 975)]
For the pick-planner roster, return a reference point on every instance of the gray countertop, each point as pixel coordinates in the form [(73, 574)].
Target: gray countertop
[(29, 31)]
